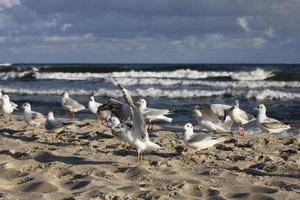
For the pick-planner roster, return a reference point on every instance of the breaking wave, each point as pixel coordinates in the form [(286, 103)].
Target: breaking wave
[(257, 74), (265, 94)]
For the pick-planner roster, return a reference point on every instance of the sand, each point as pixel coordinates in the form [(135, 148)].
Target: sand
[(87, 162)]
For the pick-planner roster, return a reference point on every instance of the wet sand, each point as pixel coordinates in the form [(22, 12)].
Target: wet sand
[(87, 162)]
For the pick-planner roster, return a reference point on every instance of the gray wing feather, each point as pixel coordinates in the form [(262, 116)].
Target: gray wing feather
[(69, 102), (198, 137)]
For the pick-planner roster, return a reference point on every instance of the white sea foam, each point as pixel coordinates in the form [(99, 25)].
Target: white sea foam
[(154, 92), (219, 84), (257, 74), (5, 64), (271, 95)]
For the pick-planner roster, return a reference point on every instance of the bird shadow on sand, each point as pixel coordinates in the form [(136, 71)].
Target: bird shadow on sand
[(19, 137), (10, 131), (256, 172), (46, 157)]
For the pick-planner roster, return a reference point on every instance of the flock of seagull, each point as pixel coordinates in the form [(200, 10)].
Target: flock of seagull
[(130, 121)]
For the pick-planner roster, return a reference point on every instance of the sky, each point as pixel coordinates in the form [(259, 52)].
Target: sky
[(150, 31)]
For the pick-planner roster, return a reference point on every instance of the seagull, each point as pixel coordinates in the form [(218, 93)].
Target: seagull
[(139, 133), (70, 105), (200, 141), (93, 105), (214, 125), (15, 106), (123, 112), (152, 114), (7, 107), (240, 117), (267, 124), (32, 118), (54, 125)]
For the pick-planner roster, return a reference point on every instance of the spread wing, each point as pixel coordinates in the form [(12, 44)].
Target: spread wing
[(208, 115), (118, 108), (155, 112), (139, 125), (220, 109)]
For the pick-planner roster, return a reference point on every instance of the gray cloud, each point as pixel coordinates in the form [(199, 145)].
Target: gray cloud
[(149, 31)]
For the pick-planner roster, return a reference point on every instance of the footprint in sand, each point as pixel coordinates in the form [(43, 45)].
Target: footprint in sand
[(249, 193)]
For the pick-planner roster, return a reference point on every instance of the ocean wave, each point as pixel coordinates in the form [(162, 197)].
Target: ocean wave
[(265, 94), (5, 64), (257, 74), (219, 84), (268, 94)]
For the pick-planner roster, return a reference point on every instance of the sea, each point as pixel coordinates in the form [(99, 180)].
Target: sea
[(175, 86)]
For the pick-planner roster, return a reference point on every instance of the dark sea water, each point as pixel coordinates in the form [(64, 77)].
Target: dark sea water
[(176, 86)]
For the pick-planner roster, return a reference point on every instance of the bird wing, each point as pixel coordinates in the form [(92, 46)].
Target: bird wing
[(209, 115), (72, 104), (36, 116), (118, 108), (219, 109), (139, 125), (245, 115), (155, 112), (274, 124), (197, 137)]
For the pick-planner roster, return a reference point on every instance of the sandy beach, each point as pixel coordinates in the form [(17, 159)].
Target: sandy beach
[(87, 162)]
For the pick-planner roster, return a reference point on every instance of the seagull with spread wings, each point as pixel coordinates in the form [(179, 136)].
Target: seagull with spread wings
[(139, 133)]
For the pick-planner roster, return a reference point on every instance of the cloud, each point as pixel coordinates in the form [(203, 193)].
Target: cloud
[(243, 23), (119, 30), (269, 32), (66, 26), (259, 42), (8, 4)]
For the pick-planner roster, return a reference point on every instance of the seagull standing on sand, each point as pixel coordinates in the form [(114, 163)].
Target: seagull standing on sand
[(200, 141), (32, 118), (267, 124), (7, 107), (240, 117), (139, 133), (212, 123), (15, 106), (70, 105), (54, 125), (93, 105), (152, 114)]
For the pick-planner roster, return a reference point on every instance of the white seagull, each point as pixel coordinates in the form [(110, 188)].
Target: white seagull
[(200, 141), (240, 117), (93, 105), (267, 124), (152, 114), (54, 125), (7, 107), (214, 125), (32, 118), (139, 133), (70, 105), (15, 106)]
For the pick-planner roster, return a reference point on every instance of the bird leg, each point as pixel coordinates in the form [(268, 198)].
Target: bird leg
[(241, 131), (197, 155), (138, 158), (67, 114), (73, 115)]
